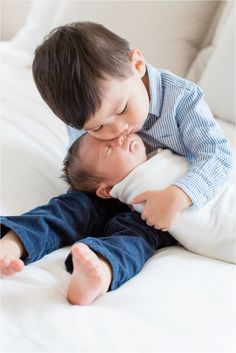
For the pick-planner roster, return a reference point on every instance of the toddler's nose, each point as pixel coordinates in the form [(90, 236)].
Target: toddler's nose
[(120, 128)]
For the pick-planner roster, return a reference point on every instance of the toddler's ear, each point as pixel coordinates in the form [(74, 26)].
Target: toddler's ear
[(138, 62), (104, 191)]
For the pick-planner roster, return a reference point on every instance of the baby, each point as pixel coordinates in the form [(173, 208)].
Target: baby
[(121, 169)]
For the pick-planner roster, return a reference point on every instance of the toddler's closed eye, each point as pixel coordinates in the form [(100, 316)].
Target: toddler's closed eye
[(97, 129), (123, 111)]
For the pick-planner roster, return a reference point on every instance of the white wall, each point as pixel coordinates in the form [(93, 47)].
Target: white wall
[(13, 15)]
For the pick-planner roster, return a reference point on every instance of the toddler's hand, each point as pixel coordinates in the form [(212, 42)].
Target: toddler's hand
[(162, 207)]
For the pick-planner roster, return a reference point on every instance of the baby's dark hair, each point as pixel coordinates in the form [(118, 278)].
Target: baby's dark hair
[(75, 172), (71, 62)]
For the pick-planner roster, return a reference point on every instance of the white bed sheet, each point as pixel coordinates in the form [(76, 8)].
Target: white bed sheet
[(179, 302), (33, 140)]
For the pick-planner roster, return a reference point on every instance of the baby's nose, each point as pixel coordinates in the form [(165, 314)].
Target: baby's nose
[(120, 140)]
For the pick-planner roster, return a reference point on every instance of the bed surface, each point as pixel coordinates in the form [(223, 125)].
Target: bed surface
[(180, 302)]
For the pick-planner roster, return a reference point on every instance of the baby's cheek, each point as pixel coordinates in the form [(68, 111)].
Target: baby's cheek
[(129, 165), (122, 166)]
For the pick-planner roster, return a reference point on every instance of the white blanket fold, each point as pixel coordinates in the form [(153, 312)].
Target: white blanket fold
[(209, 231)]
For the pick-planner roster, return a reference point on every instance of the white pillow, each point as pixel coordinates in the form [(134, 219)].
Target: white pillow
[(33, 142), (38, 24), (169, 33), (217, 63)]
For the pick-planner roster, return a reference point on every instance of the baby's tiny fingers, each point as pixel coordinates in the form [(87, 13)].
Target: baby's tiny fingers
[(149, 223), (157, 227), (143, 217)]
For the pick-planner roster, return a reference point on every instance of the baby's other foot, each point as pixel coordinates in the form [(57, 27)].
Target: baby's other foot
[(10, 266), (91, 276)]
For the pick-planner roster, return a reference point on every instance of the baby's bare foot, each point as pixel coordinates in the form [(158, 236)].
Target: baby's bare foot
[(10, 266), (91, 276), (11, 250)]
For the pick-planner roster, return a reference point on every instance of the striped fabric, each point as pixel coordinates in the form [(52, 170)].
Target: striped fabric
[(179, 119)]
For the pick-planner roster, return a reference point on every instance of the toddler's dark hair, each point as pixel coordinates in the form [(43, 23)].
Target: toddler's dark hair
[(71, 62), (75, 172)]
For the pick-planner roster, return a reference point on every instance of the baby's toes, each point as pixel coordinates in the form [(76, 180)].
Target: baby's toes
[(4, 264), (17, 265), (9, 267)]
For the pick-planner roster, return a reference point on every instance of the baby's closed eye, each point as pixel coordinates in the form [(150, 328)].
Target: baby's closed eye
[(108, 150)]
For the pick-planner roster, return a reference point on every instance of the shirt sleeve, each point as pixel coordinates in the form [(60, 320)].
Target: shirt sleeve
[(74, 134), (211, 161)]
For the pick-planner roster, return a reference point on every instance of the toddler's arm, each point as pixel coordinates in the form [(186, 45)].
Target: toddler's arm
[(211, 161), (11, 252), (210, 158)]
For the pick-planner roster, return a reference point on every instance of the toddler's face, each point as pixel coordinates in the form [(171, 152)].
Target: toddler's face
[(113, 159), (124, 107)]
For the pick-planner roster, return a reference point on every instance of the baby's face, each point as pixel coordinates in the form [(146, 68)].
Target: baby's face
[(113, 159)]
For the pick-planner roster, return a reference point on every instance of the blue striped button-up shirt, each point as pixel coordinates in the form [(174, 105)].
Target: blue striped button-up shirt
[(179, 119)]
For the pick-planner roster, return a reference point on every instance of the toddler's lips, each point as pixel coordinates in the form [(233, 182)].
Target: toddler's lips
[(128, 132), (133, 130)]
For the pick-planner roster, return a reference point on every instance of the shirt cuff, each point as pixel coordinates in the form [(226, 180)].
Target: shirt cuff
[(196, 188)]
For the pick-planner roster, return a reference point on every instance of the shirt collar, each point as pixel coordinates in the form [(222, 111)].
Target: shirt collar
[(155, 90)]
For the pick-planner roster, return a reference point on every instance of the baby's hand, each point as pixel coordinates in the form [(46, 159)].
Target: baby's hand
[(10, 252), (163, 207)]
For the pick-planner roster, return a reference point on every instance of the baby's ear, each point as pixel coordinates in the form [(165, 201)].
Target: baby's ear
[(103, 191)]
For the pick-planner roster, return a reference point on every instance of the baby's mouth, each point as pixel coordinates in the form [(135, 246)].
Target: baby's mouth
[(126, 141), (132, 130)]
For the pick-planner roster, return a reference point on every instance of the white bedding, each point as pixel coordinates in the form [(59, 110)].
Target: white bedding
[(180, 301), (208, 231), (33, 140)]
